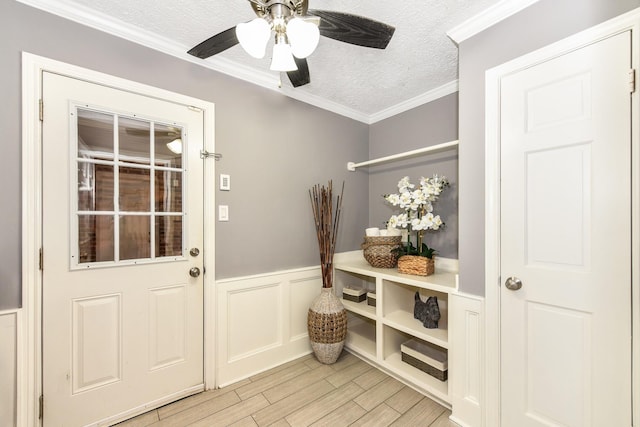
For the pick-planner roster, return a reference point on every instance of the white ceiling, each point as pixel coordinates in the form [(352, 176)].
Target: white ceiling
[(419, 64)]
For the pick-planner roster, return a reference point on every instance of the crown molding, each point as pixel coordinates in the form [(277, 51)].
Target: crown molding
[(88, 17), (425, 98), (487, 18)]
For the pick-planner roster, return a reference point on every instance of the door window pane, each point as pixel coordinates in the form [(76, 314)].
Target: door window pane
[(134, 137), (168, 236), (135, 238), (95, 187), (168, 146), (95, 238), (95, 135), (168, 186), (135, 189)]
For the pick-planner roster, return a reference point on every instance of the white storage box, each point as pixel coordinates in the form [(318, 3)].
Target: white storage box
[(427, 357), (355, 295), (371, 298)]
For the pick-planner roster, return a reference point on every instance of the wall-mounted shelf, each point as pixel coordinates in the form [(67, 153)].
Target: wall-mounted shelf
[(432, 149)]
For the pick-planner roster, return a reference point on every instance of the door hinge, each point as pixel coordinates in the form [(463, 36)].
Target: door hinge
[(41, 407), (40, 109), (40, 256), (632, 80)]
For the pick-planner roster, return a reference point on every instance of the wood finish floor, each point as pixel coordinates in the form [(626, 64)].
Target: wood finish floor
[(305, 392)]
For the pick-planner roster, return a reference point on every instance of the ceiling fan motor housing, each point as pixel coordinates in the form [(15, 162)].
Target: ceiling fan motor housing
[(280, 9)]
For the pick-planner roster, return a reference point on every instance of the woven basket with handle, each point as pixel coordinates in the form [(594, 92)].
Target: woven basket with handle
[(379, 250), (416, 265)]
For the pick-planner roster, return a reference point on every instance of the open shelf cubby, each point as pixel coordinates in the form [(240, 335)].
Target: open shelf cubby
[(361, 335)]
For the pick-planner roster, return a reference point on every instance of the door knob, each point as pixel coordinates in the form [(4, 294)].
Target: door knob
[(194, 272), (513, 283)]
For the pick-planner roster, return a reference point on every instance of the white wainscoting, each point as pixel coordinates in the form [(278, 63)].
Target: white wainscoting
[(466, 364), (262, 321), (8, 367)]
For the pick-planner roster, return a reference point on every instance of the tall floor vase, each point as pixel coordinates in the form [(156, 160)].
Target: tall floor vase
[(327, 324)]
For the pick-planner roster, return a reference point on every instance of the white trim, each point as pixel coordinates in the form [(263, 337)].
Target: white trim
[(466, 351), (269, 80), (270, 274), (487, 18), (625, 22), (416, 101), (29, 379), (29, 334), (11, 359)]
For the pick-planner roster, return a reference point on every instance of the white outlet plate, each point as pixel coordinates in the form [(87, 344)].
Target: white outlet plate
[(225, 182), (223, 213)]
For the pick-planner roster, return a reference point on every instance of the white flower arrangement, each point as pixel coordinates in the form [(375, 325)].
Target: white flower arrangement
[(418, 215)]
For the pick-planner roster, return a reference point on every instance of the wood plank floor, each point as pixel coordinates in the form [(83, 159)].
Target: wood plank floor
[(305, 392)]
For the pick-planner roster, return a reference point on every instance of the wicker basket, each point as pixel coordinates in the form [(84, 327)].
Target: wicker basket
[(379, 250), (416, 265)]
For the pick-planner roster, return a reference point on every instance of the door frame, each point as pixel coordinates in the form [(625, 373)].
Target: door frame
[(492, 365), (29, 357)]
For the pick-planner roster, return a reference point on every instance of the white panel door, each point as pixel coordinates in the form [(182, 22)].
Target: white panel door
[(566, 235), (122, 207)]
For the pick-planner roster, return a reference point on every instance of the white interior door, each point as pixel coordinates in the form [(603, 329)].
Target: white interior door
[(566, 235), (122, 209)]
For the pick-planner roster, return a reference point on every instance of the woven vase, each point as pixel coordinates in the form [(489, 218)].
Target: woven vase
[(327, 325)]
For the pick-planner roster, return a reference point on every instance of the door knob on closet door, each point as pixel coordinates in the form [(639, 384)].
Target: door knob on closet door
[(194, 272), (513, 283)]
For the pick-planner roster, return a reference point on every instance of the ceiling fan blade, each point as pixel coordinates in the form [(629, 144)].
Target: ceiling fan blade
[(299, 77), (216, 44), (353, 29)]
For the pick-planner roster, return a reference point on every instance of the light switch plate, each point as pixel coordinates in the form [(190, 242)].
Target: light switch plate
[(223, 213), (225, 182)]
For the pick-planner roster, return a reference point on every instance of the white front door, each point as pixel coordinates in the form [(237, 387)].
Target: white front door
[(566, 239), (122, 209)]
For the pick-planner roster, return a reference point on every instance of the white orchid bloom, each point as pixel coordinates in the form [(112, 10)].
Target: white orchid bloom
[(393, 221), (428, 207), (394, 199), (404, 184), (437, 222), (403, 220), (405, 200)]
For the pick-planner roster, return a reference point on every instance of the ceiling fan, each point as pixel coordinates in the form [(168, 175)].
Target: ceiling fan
[(297, 29)]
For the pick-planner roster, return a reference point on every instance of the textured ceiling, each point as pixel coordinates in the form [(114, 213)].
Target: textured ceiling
[(419, 59)]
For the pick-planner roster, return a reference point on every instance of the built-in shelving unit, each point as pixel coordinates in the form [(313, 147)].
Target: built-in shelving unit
[(377, 333)]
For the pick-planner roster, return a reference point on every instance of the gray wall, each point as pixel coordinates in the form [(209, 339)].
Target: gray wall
[(429, 124), (274, 148), (539, 25)]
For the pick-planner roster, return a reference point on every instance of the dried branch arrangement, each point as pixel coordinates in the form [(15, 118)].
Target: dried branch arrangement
[(327, 222)]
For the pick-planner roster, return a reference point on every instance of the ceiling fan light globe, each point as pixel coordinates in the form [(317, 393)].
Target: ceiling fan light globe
[(282, 59), (254, 36), (303, 36)]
